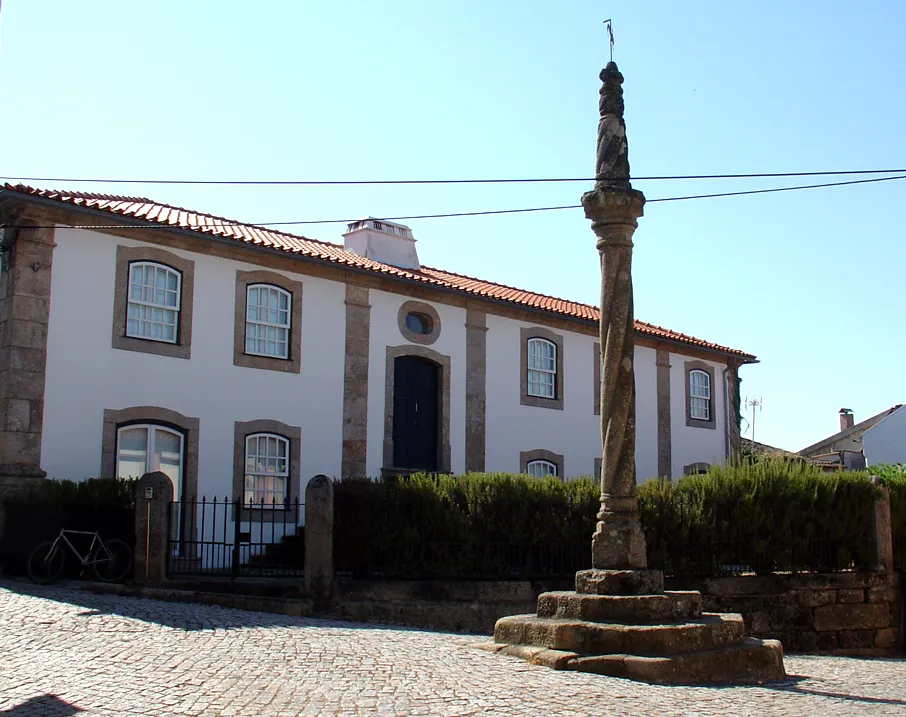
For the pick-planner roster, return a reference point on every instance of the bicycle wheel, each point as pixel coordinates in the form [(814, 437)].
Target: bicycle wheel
[(45, 563), (119, 564)]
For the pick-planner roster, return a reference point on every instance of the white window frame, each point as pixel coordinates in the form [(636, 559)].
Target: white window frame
[(151, 450), (699, 395), (249, 492), (150, 306), (538, 372), (280, 329), (542, 469)]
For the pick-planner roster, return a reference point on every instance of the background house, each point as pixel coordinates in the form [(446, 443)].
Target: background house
[(846, 446), (885, 441), (242, 361)]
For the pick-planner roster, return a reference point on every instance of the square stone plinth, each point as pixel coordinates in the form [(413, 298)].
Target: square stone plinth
[(619, 582)]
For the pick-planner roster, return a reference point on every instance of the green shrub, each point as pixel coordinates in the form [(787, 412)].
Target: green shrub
[(475, 524), (762, 516), (106, 505)]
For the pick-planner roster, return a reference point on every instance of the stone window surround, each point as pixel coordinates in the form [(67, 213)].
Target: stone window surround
[(444, 361), (115, 419), (540, 454), (127, 255), (538, 332), (244, 279), (419, 307), (243, 429), (689, 367)]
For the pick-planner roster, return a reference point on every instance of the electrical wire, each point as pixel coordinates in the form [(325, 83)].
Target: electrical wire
[(306, 182), (461, 214)]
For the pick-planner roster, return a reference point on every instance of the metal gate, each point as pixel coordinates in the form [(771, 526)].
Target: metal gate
[(229, 538)]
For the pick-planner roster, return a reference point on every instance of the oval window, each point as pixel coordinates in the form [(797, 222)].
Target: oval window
[(418, 323)]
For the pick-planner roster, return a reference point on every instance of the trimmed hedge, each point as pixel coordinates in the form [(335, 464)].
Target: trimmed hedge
[(106, 505), (472, 525), (762, 516)]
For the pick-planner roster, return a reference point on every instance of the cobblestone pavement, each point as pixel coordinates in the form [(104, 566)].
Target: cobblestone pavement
[(66, 652)]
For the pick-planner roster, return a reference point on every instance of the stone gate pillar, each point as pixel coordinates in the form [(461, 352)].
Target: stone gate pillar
[(319, 539), (152, 511)]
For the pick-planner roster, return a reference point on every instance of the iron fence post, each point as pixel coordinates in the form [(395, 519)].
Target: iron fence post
[(237, 525)]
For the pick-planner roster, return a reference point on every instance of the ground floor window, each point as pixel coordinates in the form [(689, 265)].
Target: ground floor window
[(540, 469), (144, 448), (266, 470)]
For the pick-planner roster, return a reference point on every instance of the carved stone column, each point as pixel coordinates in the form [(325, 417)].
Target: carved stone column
[(614, 207)]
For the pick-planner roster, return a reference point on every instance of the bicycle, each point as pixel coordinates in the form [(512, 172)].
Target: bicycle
[(110, 561)]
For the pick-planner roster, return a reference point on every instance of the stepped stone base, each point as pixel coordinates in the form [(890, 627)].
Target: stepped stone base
[(621, 623)]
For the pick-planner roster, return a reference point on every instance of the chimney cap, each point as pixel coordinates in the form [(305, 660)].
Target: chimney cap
[(846, 410)]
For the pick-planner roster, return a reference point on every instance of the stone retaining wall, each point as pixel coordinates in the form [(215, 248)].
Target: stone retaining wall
[(843, 612), (459, 606)]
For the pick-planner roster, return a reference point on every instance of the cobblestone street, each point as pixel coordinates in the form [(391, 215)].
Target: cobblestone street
[(66, 652)]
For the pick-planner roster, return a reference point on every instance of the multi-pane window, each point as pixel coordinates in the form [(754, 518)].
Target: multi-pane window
[(542, 368), (540, 469), (700, 395), (266, 469), (144, 448), (267, 321), (152, 310)]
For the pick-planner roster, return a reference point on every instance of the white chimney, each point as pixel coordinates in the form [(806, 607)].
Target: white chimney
[(383, 241)]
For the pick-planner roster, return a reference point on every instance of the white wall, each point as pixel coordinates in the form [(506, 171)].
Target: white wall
[(885, 442), (645, 413), (574, 431), (85, 375), (693, 444), (450, 342)]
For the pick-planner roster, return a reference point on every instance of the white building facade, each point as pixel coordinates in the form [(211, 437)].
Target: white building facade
[(241, 362)]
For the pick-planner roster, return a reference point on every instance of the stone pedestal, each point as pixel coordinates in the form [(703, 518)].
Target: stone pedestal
[(622, 623)]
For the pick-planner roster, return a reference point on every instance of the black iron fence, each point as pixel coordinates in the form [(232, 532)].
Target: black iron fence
[(233, 539), (465, 561)]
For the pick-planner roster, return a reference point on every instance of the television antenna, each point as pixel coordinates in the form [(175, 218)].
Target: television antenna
[(753, 404)]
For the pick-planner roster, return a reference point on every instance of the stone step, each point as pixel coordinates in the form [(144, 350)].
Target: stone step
[(671, 606), (711, 630), (750, 662)]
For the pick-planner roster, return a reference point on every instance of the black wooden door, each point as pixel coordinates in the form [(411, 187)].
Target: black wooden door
[(415, 413)]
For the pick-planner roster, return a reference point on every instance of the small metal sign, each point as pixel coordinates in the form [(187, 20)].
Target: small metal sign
[(149, 493)]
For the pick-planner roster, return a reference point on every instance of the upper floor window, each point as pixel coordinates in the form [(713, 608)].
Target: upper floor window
[(266, 470), (542, 368), (700, 395), (143, 448), (267, 321), (153, 302), (541, 469)]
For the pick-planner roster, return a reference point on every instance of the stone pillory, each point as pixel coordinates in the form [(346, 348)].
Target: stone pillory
[(620, 621)]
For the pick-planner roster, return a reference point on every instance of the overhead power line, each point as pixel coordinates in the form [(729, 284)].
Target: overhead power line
[(319, 182), (466, 214)]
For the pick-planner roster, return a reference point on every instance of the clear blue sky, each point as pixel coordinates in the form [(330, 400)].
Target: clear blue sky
[(811, 282)]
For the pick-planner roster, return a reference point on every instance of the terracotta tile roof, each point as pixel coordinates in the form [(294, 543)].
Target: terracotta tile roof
[(164, 215)]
